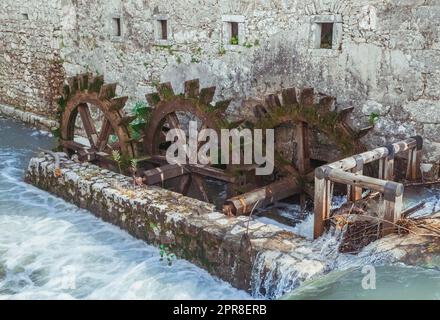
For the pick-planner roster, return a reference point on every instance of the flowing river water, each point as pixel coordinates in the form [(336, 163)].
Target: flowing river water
[(50, 249)]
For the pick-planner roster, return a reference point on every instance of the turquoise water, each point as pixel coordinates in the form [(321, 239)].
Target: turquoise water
[(392, 282), (50, 249)]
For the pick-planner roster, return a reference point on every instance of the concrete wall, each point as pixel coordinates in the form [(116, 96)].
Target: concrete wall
[(385, 58)]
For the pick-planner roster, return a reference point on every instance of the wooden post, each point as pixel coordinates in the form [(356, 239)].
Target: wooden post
[(414, 160), (409, 167), (392, 214), (323, 197), (355, 192), (393, 204), (389, 169)]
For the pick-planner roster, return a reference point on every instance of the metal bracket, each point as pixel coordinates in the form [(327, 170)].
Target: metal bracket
[(419, 141)]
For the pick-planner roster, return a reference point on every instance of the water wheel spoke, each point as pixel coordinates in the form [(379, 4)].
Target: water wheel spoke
[(104, 135), (201, 186), (173, 121), (303, 149), (88, 124), (185, 183)]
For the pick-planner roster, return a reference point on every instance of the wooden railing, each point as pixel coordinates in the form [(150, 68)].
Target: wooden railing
[(349, 171)]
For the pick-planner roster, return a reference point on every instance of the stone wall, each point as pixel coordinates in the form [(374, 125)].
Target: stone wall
[(258, 257), (30, 65), (384, 60), (226, 247)]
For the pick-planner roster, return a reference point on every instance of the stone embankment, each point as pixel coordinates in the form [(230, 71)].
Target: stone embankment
[(261, 258), (193, 230), (33, 119)]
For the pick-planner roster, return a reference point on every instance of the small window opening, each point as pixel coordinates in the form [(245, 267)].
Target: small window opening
[(326, 35), (117, 27), (234, 33), (25, 16), (163, 29)]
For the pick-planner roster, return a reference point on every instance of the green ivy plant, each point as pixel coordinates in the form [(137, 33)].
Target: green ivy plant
[(116, 156), (374, 117), (166, 254), (234, 41), (143, 115), (247, 45)]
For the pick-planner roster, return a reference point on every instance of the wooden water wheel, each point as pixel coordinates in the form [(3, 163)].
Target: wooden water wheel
[(306, 110), (170, 111), (91, 140)]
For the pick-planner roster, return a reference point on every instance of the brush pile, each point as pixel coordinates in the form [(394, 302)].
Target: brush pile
[(361, 222)]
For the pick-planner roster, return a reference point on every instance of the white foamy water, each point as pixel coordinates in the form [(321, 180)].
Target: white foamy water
[(50, 249)]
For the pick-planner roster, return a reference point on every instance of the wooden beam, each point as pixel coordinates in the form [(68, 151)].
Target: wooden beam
[(243, 204), (163, 173), (323, 197), (374, 155), (365, 182), (88, 124), (211, 172)]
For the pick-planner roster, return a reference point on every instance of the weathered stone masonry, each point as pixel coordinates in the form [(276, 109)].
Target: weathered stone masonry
[(384, 60), (260, 258), (227, 248), (31, 70)]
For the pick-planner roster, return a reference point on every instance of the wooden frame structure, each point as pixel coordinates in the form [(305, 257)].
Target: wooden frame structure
[(349, 171)]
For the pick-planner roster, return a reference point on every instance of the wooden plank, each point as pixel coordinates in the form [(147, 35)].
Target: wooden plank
[(289, 96), (163, 173), (192, 88), (211, 172), (207, 95)]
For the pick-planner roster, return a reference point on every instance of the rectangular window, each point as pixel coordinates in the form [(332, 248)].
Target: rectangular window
[(326, 35), (25, 16), (117, 31), (163, 24), (234, 33)]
